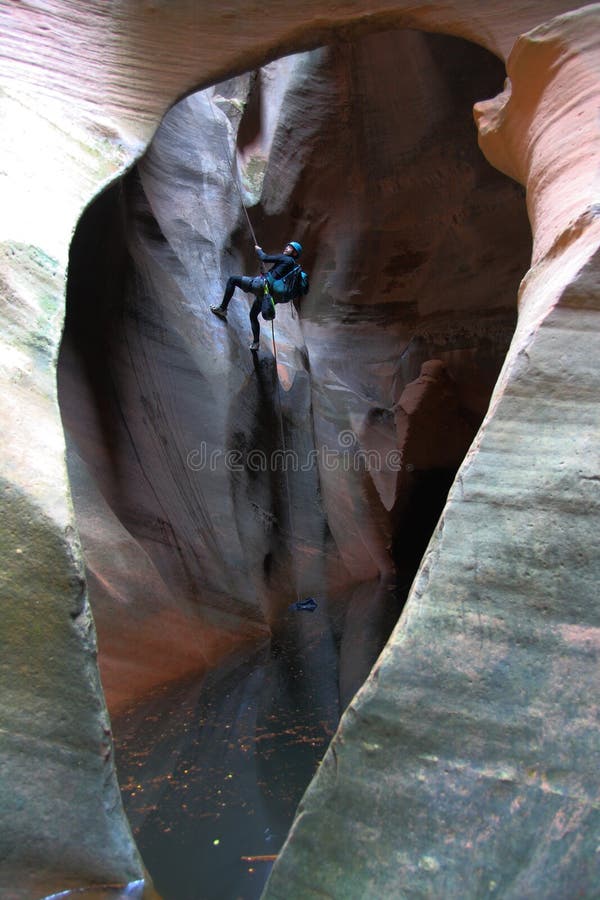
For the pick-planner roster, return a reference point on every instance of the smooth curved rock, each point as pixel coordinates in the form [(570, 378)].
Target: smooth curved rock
[(102, 75), (474, 739), (186, 435)]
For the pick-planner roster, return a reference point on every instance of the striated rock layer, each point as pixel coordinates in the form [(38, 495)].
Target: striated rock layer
[(467, 765), (156, 393), (498, 642)]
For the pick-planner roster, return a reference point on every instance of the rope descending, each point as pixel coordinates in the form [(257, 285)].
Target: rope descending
[(233, 172), (235, 180), (287, 483)]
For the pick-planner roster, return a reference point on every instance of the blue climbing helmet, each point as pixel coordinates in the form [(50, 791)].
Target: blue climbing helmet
[(297, 247)]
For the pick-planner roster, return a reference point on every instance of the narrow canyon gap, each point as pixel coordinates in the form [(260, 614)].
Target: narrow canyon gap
[(483, 705), (415, 248)]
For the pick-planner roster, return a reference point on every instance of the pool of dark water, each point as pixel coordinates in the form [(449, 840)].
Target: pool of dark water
[(212, 769)]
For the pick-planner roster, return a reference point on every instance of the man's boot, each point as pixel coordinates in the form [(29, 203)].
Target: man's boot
[(220, 312)]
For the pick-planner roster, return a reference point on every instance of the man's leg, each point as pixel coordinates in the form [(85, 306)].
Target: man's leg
[(254, 312), (242, 281), (245, 282)]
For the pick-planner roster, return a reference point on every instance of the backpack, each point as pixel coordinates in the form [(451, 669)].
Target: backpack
[(293, 285)]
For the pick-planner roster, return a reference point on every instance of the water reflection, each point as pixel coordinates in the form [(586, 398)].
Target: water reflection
[(212, 770), (135, 890)]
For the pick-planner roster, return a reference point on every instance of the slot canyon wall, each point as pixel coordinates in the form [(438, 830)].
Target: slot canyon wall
[(152, 388), (481, 707)]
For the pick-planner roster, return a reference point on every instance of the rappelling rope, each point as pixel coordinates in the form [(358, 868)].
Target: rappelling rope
[(235, 180), (234, 176), (241, 196), (287, 482)]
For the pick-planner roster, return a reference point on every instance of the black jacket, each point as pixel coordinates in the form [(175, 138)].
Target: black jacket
[(282, 263)]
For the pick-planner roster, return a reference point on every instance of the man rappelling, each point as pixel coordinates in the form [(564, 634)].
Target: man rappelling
[(273, 287)]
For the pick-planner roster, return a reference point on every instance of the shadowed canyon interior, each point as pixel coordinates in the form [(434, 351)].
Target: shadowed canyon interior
[(197, 544), (466, 764)]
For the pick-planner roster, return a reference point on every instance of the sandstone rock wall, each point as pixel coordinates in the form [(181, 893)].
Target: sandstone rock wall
[(491, 780), (157, 395), (83, 88)]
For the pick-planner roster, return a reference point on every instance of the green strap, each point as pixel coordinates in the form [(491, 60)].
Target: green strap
[(267, 293)]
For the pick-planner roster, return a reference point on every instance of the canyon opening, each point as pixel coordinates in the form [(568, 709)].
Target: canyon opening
[(200, 544)]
